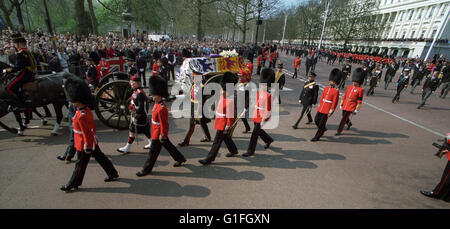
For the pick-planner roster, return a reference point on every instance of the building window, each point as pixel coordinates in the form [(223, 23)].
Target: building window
[(411, 15), (419, 15), (422, 34), (403, 35), (412, 34), (433, 33), (444, 9), (401, 16), (395, 36), (431, 11)]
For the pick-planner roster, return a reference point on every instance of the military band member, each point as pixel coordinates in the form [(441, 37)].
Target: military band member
[(430, 85), (373, 79), (160, 127), (262, 111), (197, 111), (442, 190), (139, 119), (417, 77), (352, 99), (308, 98), (390, 73), (328, 103), (86, 143), (280, 78), (223, 122), (401, 84)]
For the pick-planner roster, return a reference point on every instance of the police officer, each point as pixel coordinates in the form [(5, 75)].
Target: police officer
[(328, 104), (197, 97), (224, 121), (160, 127), (24, 68), (86, 143), (430, 85), (262, 112), (352, 99), (139, 121), (401, 84), (308, 98)]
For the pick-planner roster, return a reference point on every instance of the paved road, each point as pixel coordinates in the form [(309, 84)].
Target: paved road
[(382, 162)]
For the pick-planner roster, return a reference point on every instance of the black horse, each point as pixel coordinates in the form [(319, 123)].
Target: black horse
[(46, 89)]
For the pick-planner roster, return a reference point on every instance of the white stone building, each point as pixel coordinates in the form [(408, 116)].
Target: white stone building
[(411, 27)]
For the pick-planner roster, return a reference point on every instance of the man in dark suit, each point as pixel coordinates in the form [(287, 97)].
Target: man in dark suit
[(141, 64), (308, 97), (430, 85), (308, 63), (417, 77)]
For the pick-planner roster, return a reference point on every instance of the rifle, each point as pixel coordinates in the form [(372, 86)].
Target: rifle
[(441, 148)]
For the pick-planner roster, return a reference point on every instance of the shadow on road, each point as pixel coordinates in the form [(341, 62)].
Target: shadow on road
[(214, 172), (155, 187)]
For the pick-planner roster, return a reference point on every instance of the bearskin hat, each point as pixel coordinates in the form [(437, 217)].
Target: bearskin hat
[(280, 65), (18, 38), (93, 56), (158, 86), (77, 90), (335, 75), (186, 53), (228, 77), (267, 76), (102, 53), (358, 75)]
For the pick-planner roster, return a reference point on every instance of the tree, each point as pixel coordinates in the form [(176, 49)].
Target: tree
[(80, 14), (352, 20), (7, 11), (92, 16), (17, 4)]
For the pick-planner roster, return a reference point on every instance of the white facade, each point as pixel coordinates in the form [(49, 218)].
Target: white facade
[(408, 23)]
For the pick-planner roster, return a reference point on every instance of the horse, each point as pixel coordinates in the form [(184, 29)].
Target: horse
[(45, 90)]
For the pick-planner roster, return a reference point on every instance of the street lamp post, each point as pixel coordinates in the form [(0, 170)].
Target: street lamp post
[(324, 23), (258, 22), (284, 29)]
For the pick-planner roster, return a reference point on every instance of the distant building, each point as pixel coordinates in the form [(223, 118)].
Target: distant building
[(411, 27)]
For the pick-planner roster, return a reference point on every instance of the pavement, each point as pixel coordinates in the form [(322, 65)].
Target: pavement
[(381, 162)]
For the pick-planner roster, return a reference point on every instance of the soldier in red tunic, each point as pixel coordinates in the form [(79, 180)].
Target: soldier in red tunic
[(249, 67), (224, 120), (160, 127), (297, 64), (259, 59), (86, 143), (262, 112), (352, 99), (328, 103)]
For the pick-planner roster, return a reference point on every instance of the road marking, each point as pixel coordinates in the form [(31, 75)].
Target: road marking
[(301, 78)]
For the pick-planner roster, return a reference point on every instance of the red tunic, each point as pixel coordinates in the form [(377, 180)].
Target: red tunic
[(84, 130), (250, 68), (265, 55), (155, 69), (224, 113), (260, 59), (297, 62), (352, 97), (160, 121), (329, 100), (263, 107)]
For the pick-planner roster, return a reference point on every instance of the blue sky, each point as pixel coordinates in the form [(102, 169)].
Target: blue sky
[(291, 2)]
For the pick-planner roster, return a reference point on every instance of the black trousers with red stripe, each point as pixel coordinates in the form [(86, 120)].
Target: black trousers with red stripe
[(82, 162), (192, 124), (156, 149), (258, 132), (442, 190), (218, 139), (23, 77), (345, 120), (321, 123)]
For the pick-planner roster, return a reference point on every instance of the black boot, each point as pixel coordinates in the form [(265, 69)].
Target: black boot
[(68, 188)]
